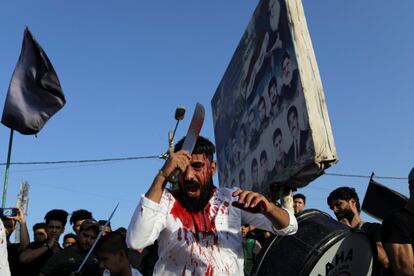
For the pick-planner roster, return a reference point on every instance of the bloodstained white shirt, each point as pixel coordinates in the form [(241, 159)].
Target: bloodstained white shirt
[(4, 263), (206, 243)]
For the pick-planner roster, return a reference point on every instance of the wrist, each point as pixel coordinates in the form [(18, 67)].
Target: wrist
[(162, 174)]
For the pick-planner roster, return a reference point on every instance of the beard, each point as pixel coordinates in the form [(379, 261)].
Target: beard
[(347, 214), (194, 205)]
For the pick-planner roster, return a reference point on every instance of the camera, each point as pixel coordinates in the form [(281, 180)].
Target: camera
[(8, 212)]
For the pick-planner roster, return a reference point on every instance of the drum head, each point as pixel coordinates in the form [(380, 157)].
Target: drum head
[(321, 246), (352, 255)]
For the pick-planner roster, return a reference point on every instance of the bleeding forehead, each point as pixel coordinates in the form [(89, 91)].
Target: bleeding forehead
[(199, 157)]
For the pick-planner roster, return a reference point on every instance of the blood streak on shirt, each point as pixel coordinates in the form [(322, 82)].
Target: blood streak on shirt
[(209, 271), (195, 222)]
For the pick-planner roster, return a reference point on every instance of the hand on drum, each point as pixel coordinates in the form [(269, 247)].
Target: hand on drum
[(251, 201)]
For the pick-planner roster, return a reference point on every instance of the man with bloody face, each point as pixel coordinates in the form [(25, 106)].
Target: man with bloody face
[(198, 225)]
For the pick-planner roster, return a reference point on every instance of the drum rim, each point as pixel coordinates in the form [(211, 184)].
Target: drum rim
[(311, 259)]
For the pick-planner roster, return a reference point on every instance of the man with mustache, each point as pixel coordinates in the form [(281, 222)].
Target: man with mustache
[(198, 225), (344, 202)]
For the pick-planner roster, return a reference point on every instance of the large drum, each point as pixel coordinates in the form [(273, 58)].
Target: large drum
[(321, 246)]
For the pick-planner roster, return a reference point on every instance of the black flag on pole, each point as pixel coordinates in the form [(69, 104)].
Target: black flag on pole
[(381, 201), (34, 93)]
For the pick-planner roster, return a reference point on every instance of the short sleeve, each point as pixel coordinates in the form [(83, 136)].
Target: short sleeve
[(395, 230)]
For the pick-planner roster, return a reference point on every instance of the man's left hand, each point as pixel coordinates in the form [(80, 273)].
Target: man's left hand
[(251, 201)]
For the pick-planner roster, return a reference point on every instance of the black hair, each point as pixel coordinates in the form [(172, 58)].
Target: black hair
[(57, 214), (291, 110), (276, 133), (102, 222), (70, 235), (202, 146), (40, 225), (80, 214), (301, 196), (121, 230), (112, 243), (344, 193)]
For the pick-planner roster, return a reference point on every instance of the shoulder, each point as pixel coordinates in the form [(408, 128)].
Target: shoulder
[(373, 230), (400, 217), (398, 227), (370, 226)]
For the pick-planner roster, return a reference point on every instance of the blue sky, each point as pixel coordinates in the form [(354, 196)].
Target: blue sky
[(126, 65)]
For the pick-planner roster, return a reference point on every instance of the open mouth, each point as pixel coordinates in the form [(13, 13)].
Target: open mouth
[(191, 186)]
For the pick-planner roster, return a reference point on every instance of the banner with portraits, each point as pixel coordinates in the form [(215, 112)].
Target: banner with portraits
[(270, 118)]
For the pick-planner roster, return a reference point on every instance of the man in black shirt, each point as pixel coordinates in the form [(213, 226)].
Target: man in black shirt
[(69, 259), (37, 254), (398, 235), (344, 202)]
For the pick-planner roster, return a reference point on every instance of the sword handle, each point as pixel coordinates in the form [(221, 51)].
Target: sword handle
[(174, 176)]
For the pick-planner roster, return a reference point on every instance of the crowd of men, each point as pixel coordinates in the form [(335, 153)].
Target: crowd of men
[(45, 256), (195, 228)]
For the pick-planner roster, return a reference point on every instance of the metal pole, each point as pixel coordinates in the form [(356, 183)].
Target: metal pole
[(6, 175), (96, 241)]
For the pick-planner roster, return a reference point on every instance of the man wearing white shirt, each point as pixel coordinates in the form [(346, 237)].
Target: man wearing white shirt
[(4, 263), (198, 225)]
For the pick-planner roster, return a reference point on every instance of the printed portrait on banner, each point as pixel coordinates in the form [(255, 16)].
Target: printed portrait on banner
[(261, 122)]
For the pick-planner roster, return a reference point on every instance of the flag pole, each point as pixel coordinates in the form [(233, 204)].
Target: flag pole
[(6, 175)]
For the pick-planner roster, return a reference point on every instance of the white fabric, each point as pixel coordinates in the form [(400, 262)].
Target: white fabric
[(184, 253), (4, 263)]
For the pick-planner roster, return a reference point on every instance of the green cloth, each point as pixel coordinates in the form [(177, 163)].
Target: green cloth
[(248, 256)]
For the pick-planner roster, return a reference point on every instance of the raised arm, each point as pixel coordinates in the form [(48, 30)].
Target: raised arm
[(149, 216), (179, 160), (24, 233)]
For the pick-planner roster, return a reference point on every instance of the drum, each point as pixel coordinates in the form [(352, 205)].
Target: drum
[(321, 246)]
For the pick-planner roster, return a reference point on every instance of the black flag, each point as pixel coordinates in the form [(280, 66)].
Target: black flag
[(34, 93), (381, 201)]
